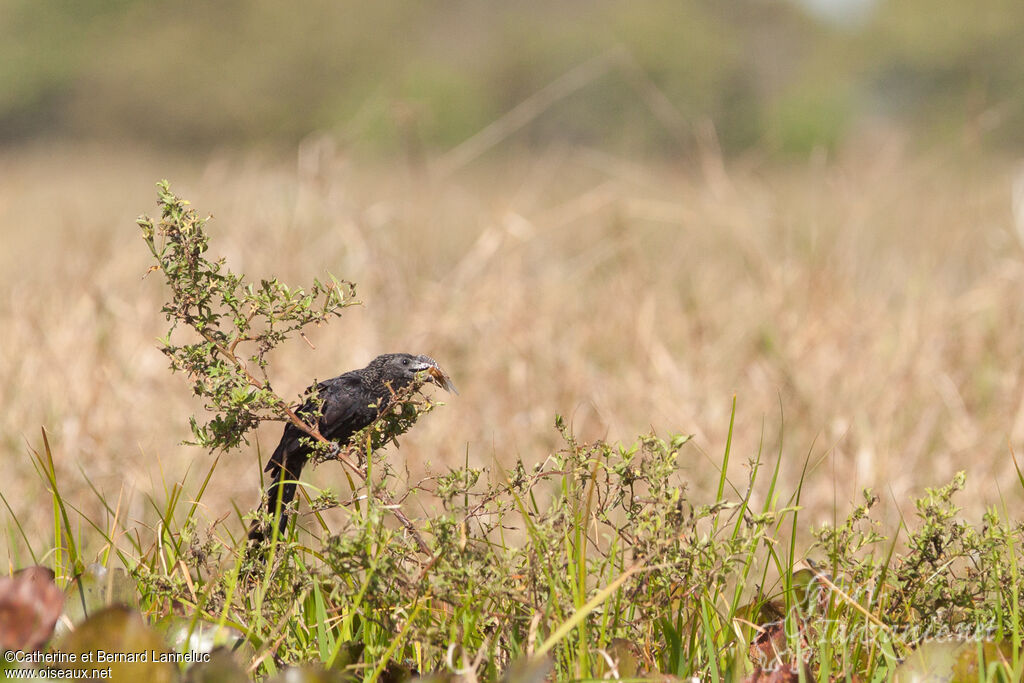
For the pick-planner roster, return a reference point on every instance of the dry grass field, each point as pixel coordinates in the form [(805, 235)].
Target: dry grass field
[(866, 309)]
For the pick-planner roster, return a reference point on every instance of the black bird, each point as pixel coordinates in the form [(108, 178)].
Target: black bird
[(348, 403)]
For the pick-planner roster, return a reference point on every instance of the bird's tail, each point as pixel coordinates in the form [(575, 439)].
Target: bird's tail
[(283, 468)]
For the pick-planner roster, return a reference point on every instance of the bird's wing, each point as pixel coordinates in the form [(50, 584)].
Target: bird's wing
[(347, 407), (341, 413)]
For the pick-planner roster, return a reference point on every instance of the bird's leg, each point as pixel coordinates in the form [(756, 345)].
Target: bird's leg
[(334, 451), (337, 452)]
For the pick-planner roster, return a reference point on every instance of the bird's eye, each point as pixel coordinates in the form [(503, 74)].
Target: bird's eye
[(405, 361)]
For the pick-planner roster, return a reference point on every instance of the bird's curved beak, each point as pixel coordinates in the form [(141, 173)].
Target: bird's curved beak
[(436, 375)]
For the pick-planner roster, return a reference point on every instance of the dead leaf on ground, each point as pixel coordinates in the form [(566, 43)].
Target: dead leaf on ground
[(30, 604)]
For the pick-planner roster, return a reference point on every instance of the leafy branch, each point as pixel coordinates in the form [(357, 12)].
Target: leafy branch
[(229, 315), (235, 324)]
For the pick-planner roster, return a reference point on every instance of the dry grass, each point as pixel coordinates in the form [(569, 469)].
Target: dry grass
[(877, 300)]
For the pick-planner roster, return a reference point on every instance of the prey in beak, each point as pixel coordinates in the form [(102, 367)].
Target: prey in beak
[(436, 375)]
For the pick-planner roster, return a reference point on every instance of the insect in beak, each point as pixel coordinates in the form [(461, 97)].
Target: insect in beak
[(441, 379)]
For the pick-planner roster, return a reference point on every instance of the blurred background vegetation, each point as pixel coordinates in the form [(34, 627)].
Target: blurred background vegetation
[(403, 76), (644, 207)]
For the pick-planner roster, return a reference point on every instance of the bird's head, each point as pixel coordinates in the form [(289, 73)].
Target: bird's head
[(402, 369)]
